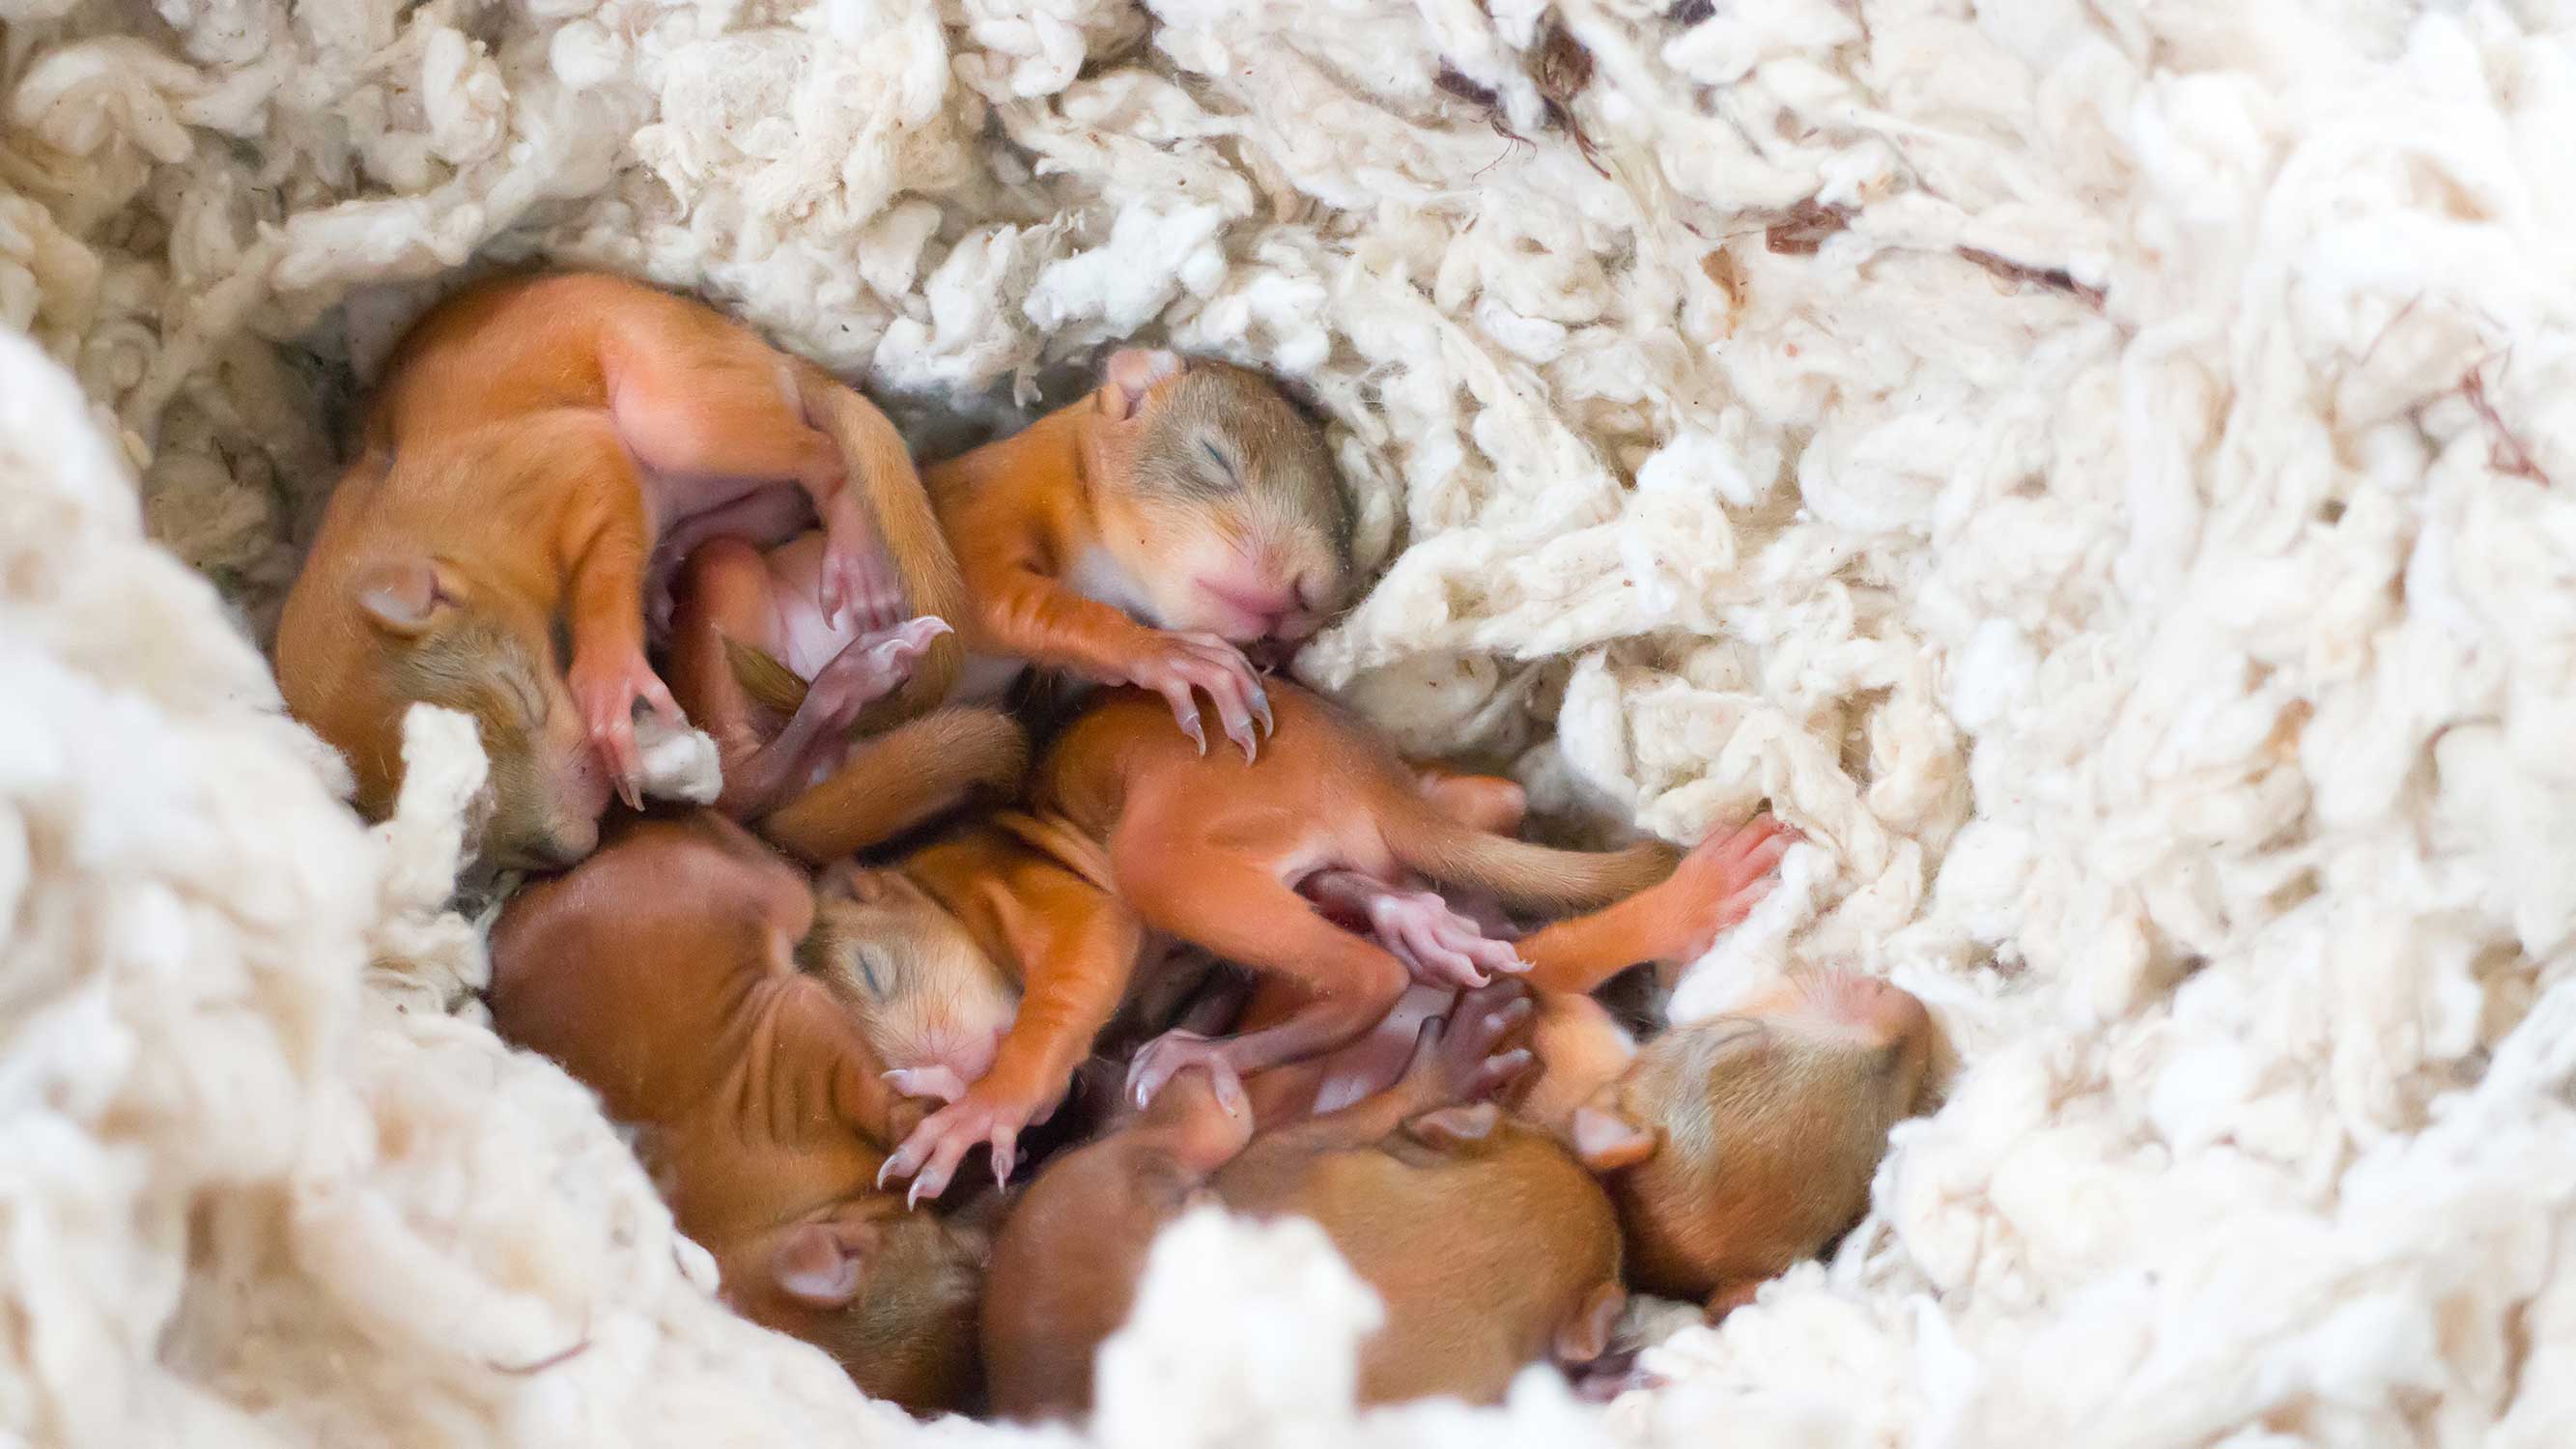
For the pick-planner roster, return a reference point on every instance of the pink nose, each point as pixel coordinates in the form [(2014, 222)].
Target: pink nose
[(1270, 604)]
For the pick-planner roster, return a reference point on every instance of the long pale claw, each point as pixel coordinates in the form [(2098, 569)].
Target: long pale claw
[(873, 665), (1238, 728), (1181, 667), (939, 1081), (1229, 1087), (942, 1167), (981, 1114), (1163, 1058), (607, 698), (897, 1164)]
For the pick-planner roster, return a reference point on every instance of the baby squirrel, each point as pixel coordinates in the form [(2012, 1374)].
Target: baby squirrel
[(1144, 534), (538, 454), (1190, 495), (676, 973)]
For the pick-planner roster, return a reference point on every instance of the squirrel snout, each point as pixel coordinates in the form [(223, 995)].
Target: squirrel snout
[(1259, 600), (1270, 599), (1889, 1012)]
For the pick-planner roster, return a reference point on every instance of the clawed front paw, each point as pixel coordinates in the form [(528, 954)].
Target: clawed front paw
[(873, 665), (939, 1082), (1438, 945), (1174, 1052), (859, 584), (1183, 666), (1459, 1058), (606, 695), (1727, 876), (985, 1114)]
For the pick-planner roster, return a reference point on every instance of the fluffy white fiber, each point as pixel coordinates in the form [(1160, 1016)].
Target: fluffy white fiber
[(2172, 660)]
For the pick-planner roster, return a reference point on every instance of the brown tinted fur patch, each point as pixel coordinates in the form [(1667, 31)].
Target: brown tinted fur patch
[(771, 684), (480, 668), (1770, 1139), (1065, 1268), (1483, 1251), (910, 1335), (1278, 459)]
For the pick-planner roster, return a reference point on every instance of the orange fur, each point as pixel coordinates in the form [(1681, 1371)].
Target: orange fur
[(1736, 1146), (1490, 1245), (804, 769), (661, 973), (537, 445), (1210, 849), (1067, 1259), (1034, 898), (1143, 533), (1140, 835)]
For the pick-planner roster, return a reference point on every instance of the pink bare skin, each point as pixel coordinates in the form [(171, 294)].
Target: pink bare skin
[(1436, 943), (816, 739), (539, 447), (1377, 1062), (777, 512), (1442, 946), (1716, 886), (1672, 922)]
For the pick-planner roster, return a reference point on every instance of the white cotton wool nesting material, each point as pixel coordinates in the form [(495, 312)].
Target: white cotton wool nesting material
[(2101, 469)]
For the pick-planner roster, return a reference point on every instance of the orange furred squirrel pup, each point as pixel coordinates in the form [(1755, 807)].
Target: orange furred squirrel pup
[(1211, 850), (1189, 495), (1025, 904), (1578, 1044), (759, 663), (1491, 1245), (1144, 836), (1533, 1270), (1737, 1146), (540, 453), (1066, 1262), (662, 972), (1014, 900)]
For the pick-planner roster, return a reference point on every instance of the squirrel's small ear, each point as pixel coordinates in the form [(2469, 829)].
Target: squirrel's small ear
[(1606, 1142), (1586, 1336), (402, 596), (1130, 374), (817, 1264)]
